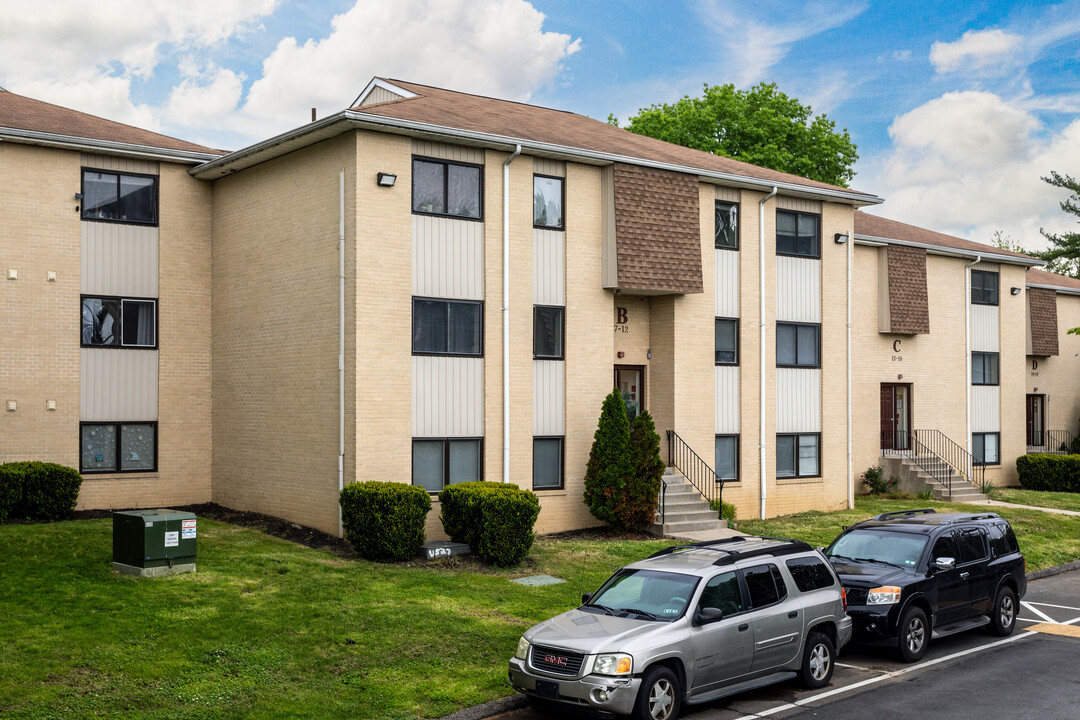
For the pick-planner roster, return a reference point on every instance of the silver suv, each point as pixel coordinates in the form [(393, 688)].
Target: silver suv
[(688, 625)]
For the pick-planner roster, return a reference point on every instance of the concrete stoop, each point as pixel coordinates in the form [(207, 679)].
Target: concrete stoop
[(915, 480), (685, 510)]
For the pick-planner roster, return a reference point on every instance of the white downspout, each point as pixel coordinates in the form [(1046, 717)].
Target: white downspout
[(506, 312), (850, 468), (761, 339), (967, 347), (341, 344)]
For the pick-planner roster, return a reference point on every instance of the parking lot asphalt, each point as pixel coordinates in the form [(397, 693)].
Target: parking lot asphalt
[(1032, 673)]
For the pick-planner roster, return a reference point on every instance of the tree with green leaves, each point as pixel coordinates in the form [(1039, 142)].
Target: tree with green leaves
[(1063, 257), (761, 126)]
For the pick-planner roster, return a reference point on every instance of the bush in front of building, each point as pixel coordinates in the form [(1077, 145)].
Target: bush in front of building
[(725, 511), (646, 474), (38, 490), (1055, 473), (873, 478), (384, 521), (495, 519)]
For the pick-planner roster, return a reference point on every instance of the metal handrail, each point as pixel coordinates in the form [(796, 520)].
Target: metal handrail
[(683, 458), (956, 456), (1057, 442), (923, 456)]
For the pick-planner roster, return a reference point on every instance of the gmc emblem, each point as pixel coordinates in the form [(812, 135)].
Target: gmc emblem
[(555, 660)]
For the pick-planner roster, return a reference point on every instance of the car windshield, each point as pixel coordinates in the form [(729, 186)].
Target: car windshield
[(894, 548), (647, 594)]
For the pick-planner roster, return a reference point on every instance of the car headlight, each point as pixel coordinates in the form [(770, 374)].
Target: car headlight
[(522, 649), (613, 664), (888, 595)]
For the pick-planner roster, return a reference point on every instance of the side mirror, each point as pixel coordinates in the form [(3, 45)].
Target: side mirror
[(708, 615), (944, 563), (585, 598)]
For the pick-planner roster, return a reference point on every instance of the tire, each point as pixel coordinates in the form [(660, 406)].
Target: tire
[(817, 661), (1003, 616), (914, 635), (660, 696)]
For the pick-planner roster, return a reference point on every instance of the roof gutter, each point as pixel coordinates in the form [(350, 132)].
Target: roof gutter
[(945, 250), (1056, 288), (503, 142), (71, 142)]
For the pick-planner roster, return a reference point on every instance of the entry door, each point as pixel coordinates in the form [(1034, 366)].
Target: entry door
[(630, 380), (1035, 409), (895, 416)]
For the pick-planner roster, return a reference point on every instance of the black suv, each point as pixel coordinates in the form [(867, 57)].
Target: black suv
[(916, 574)]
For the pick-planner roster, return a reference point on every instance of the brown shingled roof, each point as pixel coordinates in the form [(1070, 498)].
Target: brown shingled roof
[(476, 113), (879, 227), (1041, 277), (23, 113)]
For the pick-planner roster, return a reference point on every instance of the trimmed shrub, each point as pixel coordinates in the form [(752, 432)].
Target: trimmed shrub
[(609, 470), (1056, 473), (495, 519), (874, 480), (384, 521), (38, 490), (637, 508), (725, 510)]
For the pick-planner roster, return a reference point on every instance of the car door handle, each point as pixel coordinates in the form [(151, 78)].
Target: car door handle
[(744, 627), (963, 575), (793, 614)]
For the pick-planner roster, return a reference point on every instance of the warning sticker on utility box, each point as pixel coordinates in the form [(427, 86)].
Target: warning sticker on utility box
[(172, 539), (187, 529)]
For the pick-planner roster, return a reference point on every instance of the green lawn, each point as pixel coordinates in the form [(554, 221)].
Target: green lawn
[(271, 629), (1039, 498)]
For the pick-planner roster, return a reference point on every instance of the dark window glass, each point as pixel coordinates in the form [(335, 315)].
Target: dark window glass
[(547, 202), (724, 594), (119, 197), (547, 331), (971, 545), (727, 341), (761, 583), (944, 548), (438, 462), (446, 327), (797, 234), (727, 225), (798, 455), (984, 448), (118, 447), (727, 457), (810, 573), (547, 463), (984, 368), (446, 188), (119, 322), (798, 345), (984, 287)]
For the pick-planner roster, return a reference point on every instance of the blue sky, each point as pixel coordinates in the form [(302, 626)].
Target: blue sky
[(957, 107)]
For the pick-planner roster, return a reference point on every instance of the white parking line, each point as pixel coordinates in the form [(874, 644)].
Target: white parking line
[(1062, 607), (1038, 612), (853, 667)]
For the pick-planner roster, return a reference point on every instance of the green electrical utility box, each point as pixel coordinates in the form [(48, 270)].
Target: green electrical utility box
[(150, 543)]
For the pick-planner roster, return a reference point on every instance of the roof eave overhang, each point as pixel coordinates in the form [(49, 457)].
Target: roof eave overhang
[(351, 119), (949, 251), (1056, 288), (72, 142)]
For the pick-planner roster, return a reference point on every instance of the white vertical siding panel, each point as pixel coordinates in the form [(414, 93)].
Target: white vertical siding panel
[(119, 259), (448, 258), (727, 283), (378, 95), (443, 151), (119, 164), (545, 166), (985, 336), (727, 194), (549, 391), (985, 408), (798, 400), (549, 267), (727, 399), (798, 289), (118, 384), (448, 396), (784, 202)]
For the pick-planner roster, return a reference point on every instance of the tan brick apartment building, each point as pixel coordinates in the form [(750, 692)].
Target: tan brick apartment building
[(336, 304)]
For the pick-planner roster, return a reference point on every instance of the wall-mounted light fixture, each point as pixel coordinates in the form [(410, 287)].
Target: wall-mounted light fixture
[(386, 179), (1014, 291), (840, 238), (648, 354)]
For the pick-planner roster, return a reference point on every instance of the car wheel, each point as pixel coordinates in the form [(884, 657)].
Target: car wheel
[(660, 696), (817, 662), (1003, 617), (914, 635)]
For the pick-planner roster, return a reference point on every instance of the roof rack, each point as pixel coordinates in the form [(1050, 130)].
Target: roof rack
[(904, 513), (970, 518), (703, 545), (792, 547)]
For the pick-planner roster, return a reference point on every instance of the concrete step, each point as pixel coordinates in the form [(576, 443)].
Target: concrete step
[(675, 528), (688, 515)]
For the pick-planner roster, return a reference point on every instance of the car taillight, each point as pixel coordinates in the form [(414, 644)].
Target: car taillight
[(843, 596)]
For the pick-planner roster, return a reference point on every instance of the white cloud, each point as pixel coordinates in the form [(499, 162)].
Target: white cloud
[(204, 97), (494, 47), (977, 51), (970, 163)]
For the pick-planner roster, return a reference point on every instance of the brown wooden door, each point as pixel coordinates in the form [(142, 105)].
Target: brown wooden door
[(1035, 418), (888, 418), (895, 416)]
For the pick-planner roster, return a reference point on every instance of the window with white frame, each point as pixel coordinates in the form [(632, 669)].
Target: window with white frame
[(119, 322), (798, 455), (438, 462)]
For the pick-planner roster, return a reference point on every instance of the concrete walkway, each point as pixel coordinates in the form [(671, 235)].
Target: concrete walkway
[(998, 503)]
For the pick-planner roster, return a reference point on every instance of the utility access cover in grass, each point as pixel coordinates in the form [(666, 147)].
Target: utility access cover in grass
[(537, 580)]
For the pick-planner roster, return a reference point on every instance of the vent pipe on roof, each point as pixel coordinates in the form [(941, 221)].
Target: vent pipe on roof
[(312, 114)]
